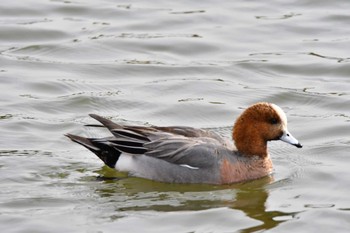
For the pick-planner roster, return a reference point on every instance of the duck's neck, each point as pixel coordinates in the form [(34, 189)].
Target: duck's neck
[(248, 140)]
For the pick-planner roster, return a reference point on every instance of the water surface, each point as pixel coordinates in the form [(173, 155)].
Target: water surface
[(171, 63)]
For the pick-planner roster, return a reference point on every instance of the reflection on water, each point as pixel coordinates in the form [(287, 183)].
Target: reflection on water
[(252, 201), (250, 198)]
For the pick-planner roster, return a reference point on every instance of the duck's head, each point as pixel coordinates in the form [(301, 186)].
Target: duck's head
[(258, 124)]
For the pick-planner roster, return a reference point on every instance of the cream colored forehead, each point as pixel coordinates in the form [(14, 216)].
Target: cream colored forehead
[(280, 113)]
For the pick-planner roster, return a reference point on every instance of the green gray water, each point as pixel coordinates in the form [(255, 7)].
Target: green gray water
[(195, 63)]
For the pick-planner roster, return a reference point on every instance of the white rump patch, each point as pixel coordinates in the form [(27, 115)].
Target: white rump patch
[(125, 163), (188, 166)]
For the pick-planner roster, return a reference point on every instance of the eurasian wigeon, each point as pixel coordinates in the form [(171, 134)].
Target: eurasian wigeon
[(190, 155)]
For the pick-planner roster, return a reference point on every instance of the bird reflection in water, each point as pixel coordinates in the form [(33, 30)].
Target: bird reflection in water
[(251, 198)]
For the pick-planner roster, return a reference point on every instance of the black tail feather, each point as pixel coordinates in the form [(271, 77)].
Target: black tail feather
[(83, 141), (129, 140), (94, 125), (130, 149), (108, 154)]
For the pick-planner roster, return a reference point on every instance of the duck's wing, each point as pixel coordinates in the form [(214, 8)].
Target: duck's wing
[(176, 130), (199, 152), (178, 145), (192, 132)]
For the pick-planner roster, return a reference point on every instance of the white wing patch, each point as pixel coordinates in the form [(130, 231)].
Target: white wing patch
[(188, 166)]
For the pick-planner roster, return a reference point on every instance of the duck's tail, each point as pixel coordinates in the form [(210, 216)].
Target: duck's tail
[(108, 154)]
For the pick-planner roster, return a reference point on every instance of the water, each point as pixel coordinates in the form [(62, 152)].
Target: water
[(196, 63)]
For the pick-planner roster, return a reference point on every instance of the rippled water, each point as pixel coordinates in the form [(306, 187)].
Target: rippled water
[(196, 63)]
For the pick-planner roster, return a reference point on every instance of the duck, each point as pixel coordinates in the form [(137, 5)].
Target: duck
[(182, 154)]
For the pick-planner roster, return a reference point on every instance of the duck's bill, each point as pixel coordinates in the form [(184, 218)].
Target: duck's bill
[(288, 138)]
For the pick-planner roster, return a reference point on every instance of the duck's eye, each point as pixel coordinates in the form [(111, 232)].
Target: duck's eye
[(273, 121)]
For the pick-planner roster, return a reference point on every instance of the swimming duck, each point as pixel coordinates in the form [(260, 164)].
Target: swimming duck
[(189, 155)]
